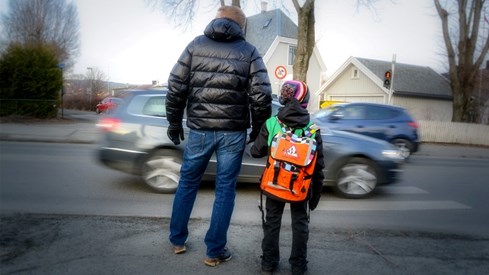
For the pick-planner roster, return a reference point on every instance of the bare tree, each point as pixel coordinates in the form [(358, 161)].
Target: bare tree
[(96, 86), (99, 82), (49, 22), (184, 10), (464, 51), (306, 38)]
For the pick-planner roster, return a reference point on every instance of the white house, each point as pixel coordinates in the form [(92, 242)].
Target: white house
[(275, 36), (422, 91)]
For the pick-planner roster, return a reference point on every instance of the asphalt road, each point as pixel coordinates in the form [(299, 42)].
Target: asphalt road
[(432, 194), (84, 219)]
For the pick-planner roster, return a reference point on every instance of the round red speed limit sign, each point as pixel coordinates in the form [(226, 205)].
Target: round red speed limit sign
[(280, 72)]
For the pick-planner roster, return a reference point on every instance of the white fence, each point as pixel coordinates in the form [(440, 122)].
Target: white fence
[(453, 132)]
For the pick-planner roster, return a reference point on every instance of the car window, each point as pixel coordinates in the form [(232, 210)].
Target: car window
[(353, 112), (149, 105), (275, 107), (118, 100), (155, 106), (326, 111), (323, 114), (375, 112)]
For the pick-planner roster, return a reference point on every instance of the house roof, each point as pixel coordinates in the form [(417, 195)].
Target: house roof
[(411, 80), (263, 28), (408, 80)]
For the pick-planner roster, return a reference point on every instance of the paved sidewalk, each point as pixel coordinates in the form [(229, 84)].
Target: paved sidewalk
[(63, 244), (64, 132), (453, 150)]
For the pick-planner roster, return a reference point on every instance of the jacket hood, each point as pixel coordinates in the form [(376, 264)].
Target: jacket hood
[(224, 29), (294, 115)]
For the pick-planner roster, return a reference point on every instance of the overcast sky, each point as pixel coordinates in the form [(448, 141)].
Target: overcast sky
[(133, 43)]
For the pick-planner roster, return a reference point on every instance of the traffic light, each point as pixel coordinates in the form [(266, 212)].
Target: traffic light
[(387, 79)]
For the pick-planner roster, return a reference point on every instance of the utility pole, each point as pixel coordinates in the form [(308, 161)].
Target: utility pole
[(479, 101), (91, 86), (391, 89), (61, 66)]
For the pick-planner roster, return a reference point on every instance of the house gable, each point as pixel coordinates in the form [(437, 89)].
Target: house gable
[(422, 91), (354, 83), (409, 80), (263, 28)]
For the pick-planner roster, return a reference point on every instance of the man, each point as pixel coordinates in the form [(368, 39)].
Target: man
[(223, 83)]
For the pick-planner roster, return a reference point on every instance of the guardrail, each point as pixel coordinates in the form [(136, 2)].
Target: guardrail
[(454, 132)]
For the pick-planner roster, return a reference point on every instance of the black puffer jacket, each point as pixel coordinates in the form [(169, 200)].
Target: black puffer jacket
[(219, 77)]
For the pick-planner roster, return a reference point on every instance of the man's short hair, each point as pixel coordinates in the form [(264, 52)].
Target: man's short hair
[(233, 13)]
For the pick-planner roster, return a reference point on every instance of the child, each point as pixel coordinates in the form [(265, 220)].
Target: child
[(294, 95)]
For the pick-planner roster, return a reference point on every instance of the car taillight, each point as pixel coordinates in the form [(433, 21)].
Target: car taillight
[(413, 124), (108, 124)]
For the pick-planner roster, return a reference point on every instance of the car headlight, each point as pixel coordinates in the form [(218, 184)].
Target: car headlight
[(392, 154)]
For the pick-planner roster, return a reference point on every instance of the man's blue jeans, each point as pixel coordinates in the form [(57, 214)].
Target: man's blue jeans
[(229, 147)]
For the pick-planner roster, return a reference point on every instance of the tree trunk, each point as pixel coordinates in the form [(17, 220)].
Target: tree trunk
[(305, 39)]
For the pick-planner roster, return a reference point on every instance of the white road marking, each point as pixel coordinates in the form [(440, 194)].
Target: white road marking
[(364, 205), (401, 190)]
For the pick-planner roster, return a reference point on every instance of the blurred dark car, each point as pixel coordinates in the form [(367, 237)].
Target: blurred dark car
[(134, 140), (387, 122), (107, 104)]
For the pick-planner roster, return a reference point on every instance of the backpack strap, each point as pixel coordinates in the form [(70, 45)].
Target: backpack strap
[(309, 131), (276, 170), (293, 178), (285, 128), (262, 210)]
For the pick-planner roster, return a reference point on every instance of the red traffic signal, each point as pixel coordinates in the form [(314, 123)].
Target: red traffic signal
[(387, 79)]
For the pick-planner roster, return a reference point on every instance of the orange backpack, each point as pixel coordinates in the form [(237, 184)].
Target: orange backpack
[(290, 164)]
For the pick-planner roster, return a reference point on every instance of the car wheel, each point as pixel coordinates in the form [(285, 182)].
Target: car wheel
[(404, 146), (356, 178), (97, 111), (161, 170)]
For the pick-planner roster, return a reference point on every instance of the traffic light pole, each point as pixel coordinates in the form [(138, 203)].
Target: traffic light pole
[(393, 66)]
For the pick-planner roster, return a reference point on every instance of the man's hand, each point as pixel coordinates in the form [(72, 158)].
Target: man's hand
[(247, 150), (175, 133), (253, 136)]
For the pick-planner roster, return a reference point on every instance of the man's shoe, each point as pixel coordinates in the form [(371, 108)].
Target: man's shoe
[(267, 270), (299, 271), (179, 249), (224, 257)]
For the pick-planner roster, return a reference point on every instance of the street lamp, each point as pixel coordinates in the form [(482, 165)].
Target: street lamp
[(91, 84), (61, 67)]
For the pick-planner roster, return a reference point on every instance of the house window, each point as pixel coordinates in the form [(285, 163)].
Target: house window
[(355, 74), (267, 23), (292, 51)]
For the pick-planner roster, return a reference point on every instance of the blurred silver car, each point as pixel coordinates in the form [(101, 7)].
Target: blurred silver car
[(134, 140)]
